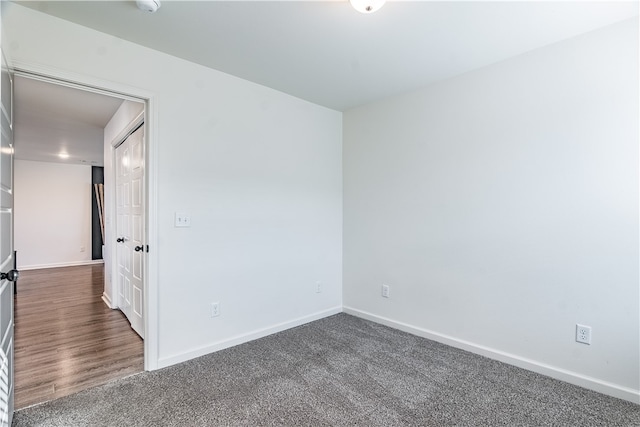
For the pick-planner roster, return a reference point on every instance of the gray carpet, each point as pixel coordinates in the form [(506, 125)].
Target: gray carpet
[(338, 371)]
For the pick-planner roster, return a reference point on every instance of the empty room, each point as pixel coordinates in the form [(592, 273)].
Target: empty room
[(357, 213)]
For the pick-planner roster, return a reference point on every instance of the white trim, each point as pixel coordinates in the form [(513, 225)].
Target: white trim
[(60, 264), (107, 301), (532, 365), (151, 319), (126, 132), (69, 84), (95, 84), (241, 339), (78, 81)]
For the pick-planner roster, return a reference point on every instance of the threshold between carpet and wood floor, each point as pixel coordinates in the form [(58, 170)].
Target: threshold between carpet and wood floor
[(337, 371)]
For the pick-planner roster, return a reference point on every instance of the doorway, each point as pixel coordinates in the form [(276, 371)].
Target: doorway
[(95, 276), (66, 338)]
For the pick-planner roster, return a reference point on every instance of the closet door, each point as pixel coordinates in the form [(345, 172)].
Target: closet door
[(130, 248)]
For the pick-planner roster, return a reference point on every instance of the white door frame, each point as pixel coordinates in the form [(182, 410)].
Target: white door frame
[(97, 85)]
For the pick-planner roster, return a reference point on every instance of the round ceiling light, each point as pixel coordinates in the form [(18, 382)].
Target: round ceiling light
[(367, 6), (148, 5)]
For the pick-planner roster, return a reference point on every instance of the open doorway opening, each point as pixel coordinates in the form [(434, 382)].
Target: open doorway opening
[(72, 329)]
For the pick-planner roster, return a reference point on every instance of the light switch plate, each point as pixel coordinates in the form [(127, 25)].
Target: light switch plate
[(182, 220)]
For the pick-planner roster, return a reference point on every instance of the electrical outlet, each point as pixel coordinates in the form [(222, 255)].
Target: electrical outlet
[(318, 286), (385, 291), (583, 334), (215, 309)]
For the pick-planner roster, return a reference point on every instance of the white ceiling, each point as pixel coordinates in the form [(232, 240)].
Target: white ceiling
[(327, 53), (321, 51), (51, 119)]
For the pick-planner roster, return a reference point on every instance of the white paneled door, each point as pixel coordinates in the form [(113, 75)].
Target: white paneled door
[(6, 249), (130, 246)]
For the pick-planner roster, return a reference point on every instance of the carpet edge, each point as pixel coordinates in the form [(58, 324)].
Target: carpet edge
[(250, 336), (570, 377)]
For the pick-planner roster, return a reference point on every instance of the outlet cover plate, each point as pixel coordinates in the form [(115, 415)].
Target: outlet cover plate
[(385, 291), (215, 309), (583, 334)]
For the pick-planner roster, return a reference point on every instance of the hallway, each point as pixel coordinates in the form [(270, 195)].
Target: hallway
[(66, 338)]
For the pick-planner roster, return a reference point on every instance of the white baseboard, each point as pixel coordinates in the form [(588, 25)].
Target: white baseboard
[(60, 264), (107, 300), (551, 371), (241, 339)]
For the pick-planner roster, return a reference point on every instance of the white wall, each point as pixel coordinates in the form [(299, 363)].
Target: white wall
[(52, 206), (258, 171), (114, 130), (501, 207)]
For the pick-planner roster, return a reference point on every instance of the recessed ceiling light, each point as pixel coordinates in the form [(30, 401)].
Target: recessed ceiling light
[(63, 155), (367, 6)]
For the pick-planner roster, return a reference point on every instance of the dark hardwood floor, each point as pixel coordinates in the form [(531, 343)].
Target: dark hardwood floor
[(66, 338)]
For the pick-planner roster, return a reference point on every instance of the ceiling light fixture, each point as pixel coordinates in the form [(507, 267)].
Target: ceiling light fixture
[(367, 6), (63, 155), (148, 5)]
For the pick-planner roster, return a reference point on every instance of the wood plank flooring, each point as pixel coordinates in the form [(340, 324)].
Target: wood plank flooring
[(66, 338)]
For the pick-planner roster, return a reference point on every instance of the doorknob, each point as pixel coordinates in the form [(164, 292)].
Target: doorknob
[(138, 248), (11, 276), (120, 239)]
